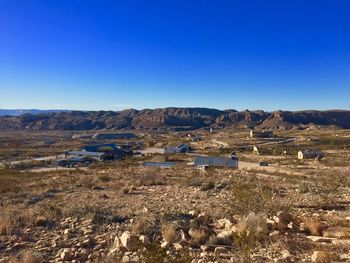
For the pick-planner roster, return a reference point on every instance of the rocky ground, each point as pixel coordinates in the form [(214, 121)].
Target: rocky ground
[(124, 212)]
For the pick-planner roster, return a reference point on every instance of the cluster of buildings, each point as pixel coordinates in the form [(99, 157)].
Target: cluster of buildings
[(95, 153), (302, 154), (110, 152)]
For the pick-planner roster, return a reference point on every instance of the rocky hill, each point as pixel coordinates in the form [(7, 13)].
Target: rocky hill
[(177, 119)]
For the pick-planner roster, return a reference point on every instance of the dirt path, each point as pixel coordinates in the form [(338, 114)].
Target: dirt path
[(46, 158)]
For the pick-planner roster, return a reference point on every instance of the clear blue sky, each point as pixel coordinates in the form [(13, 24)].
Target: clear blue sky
[(90, 55)]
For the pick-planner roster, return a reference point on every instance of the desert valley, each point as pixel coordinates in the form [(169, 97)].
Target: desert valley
[(175, 185)]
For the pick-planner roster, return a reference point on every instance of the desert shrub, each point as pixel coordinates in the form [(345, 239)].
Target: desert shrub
[(87, 181), (7, 222), (251, 195), (200, 236), (306, 187), (97, 215), (244, 245), (100, 217), (11, 219), (194, 182), (207, 186), (127, 189), (52, 211), (40, 221), (169, 233), (104, 178), (148, 226), (327, 185), (155, 254), (12, 181), (313, 226), (251, 231), (151, 180)]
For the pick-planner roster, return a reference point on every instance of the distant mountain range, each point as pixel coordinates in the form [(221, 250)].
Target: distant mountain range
[(18, 112), (176, 119)]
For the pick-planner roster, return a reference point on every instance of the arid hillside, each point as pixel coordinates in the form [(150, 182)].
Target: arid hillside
[(177, 119), (272, 207)]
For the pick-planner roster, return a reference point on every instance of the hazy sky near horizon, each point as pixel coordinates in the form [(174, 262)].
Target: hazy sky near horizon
[(111, 55)]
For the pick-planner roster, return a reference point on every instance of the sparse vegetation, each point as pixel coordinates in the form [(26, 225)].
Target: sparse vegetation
[(169, 233), (275, 212)]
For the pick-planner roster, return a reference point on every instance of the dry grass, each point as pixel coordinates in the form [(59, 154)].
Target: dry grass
[(207, 186), (262, 192), (40, 221), (155, 254), (151, 180), (6, 224), (200, 236), (169, 233), (12, 181), (128, 189), (253, 195), (145, 225), (87, 181), (10, 219), (104, 178), (313, 226)]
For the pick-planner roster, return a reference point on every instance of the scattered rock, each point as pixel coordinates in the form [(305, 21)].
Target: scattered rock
[(66, 254), (164, 245), (126, 259), (145, 241), (220, 251), (130, 242), (178, 246)]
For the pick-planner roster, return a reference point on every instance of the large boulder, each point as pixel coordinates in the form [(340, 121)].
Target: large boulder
[(130, 242)]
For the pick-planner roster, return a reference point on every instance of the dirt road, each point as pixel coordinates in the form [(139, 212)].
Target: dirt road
[(40, 159)]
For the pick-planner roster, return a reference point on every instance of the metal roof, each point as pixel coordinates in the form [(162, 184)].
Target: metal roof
[(95, 148), (86, 153), (159, 164), (215, 161)]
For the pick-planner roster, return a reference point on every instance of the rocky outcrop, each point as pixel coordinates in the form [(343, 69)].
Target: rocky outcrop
[(176, 119)]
